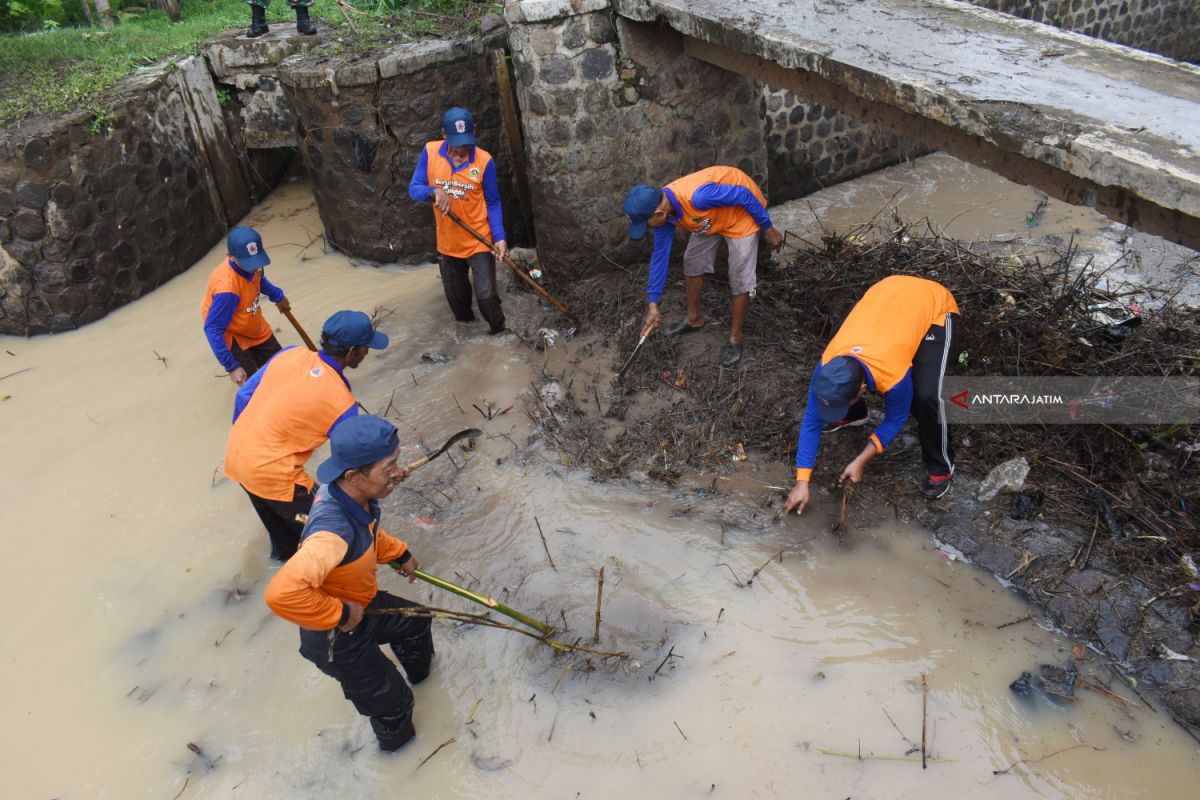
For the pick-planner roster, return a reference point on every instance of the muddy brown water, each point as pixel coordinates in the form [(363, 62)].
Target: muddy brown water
[(136, 626), (969, 203)]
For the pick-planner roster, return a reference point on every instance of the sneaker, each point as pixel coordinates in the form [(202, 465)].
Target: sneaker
[(935, 486), (731, 354), (830, 427)]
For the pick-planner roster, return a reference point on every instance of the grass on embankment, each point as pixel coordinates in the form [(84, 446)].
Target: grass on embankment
[(70, 68)]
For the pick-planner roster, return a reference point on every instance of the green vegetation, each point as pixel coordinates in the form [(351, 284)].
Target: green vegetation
[(100, 120), (58, 65)]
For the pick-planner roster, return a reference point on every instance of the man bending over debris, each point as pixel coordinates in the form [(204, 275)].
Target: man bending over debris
[(326, 587), (237, 333), (897, 341), (714, 203), (460, 177), (286, 411)]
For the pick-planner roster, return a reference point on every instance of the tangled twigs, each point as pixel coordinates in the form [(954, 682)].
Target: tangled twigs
[(1045, 315), (432, 612)]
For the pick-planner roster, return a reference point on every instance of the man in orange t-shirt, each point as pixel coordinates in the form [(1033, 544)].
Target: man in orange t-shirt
[(897, 341), (330, 589), (239, 337), (715, 203), (284, 412), (458, 176)]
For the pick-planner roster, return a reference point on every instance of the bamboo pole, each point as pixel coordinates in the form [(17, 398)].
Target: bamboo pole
[(483, 600), (432, 612), (872, 757)]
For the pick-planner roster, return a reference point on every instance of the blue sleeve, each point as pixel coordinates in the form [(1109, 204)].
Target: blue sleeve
[(246, 391), (491, 196), (897, 403), (273, 292), (664, 236), (419, 188), (810, 429), (719, 195), (220, 314), (352, 411)]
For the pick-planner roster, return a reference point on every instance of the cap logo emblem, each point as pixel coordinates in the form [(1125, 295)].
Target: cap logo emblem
[(252, 248), (460, 126)]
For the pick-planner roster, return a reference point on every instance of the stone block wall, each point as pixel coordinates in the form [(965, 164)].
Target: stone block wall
[(362, 124), (248, 72), (1167, 27), (97, 210), (607, 103), (811, 146)]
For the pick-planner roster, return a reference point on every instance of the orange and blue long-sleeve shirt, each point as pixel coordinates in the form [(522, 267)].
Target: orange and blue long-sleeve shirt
[(340, 548), (282, 414), (231, 310), (882, 333), (474, 196), (716, 201)]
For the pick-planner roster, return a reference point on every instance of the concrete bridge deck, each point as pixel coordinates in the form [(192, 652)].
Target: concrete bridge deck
[(1088, 122)]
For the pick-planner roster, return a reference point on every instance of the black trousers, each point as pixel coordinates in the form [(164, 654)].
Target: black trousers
[(482, 268), (368, 678), (253, 358), (937, 351), (279, 518)]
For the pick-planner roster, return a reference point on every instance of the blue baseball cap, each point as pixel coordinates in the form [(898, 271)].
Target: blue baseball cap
[(246, 247), (835, 385), (353, 329), (355, 442), (640, 205), (459, 127)]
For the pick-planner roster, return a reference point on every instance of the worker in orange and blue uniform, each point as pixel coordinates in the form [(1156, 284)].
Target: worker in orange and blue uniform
[(287, 410), (715, 203), (897, 341), (458, 175), (239, 337), (330, 589)]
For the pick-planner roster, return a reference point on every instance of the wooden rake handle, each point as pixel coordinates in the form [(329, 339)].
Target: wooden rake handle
[(300, 330), (522, 274)]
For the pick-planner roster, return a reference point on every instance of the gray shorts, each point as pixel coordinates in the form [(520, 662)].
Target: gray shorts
[(701, 256)]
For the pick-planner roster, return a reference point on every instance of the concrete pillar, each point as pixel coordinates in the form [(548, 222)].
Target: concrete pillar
[(607, 103)]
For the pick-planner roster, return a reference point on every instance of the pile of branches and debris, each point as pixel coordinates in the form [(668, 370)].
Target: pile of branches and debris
[(1033, 316)]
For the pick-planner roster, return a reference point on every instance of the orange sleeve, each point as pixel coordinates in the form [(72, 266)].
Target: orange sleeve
[(803, 473), (295, 591), (388, 548), (878, 444)]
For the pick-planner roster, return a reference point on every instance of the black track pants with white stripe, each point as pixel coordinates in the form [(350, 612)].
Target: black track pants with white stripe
[(937, 352)]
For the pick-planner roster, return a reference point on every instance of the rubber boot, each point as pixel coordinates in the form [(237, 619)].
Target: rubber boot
[(303, 23), (258, 22)]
